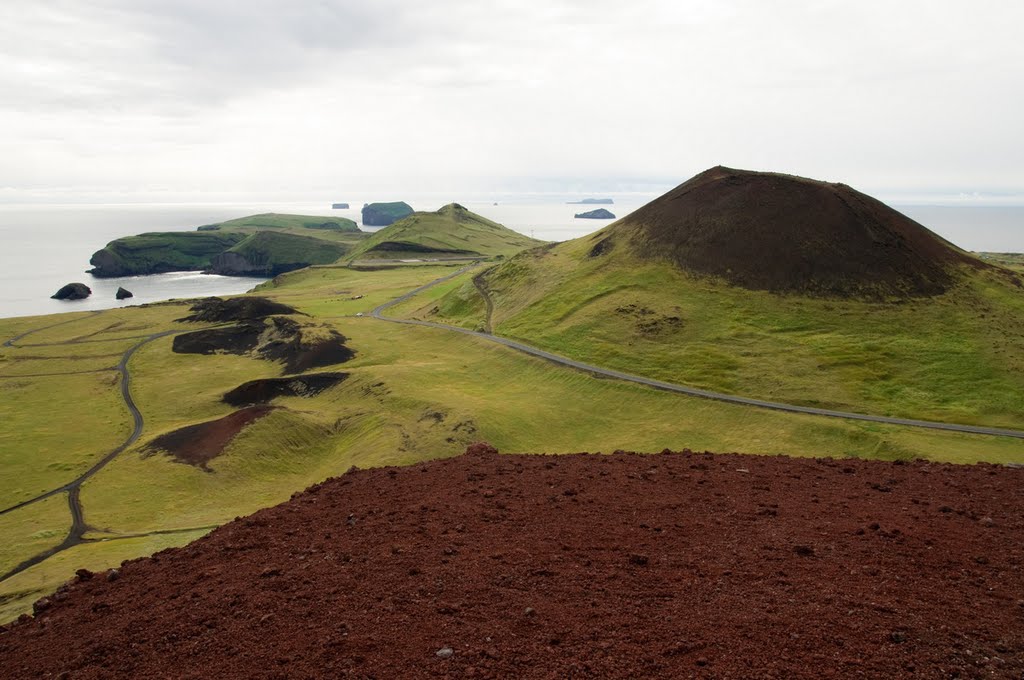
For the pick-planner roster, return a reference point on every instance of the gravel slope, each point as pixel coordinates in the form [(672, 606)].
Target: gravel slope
[(675, 565)]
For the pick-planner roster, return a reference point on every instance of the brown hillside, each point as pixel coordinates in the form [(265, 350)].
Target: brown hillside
[(767, 231), (621, 566)]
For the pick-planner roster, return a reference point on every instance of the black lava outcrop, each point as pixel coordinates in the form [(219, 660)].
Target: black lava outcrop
[(768, 231), (268, 389), (73, 291), (123, 294), (240, 338), (299, 348), (599, 214), (236, 309)]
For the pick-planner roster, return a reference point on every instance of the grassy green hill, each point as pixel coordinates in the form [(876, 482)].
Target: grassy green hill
[(285, 221), (159, 252), (612, 299), (278, 242), (269, 253), (451, 232), (1014, 261)]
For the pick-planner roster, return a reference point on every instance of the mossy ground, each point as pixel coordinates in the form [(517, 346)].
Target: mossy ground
[(414, 393)]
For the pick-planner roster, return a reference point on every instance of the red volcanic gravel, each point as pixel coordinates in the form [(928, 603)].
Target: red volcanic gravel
[(618, 566)]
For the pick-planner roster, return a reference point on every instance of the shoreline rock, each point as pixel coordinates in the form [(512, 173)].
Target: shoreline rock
[(599, 214), (72, 291)]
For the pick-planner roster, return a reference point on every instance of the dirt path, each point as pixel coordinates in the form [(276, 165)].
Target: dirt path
[(378, 313), (481, 288)]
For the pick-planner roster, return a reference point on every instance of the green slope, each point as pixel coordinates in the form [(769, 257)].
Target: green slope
[(269, 253), (453, 231), (284, 221), (955, 357)]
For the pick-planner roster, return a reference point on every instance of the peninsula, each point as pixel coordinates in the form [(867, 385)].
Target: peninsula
[(258, 245)]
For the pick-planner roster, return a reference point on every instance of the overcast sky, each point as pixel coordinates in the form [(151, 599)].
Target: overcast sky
[(221, 99)]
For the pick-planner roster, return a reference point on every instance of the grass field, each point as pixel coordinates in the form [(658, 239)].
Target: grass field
[(414, 393), (958, 357)]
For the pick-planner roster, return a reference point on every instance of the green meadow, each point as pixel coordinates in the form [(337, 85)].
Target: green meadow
[(958, 357)]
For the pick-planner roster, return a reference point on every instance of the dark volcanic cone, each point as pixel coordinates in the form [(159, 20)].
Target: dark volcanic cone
[(767, 231)]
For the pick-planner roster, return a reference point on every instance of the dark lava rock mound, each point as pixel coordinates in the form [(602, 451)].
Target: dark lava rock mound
[(768, 231), (268, 389), (123, 294), (583, 566), (199, 444), (236, 309), (238, 339), (276, 339), (73, 291)]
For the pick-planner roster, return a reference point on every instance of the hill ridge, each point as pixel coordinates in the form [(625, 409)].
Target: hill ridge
[(452, 231)]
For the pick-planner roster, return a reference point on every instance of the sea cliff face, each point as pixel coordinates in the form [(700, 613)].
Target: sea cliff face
[(161, 252), (261, 245)]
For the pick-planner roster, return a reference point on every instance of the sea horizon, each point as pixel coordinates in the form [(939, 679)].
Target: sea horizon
[(47, 245)]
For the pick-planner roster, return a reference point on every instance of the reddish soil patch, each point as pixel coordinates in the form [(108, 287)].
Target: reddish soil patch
[(199, 444), (768, 231), (236, 309), (268, 389), (620, 566)]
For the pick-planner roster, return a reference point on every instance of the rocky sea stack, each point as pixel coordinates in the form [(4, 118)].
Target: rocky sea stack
[(599, 214), (383, 214), (72, 291), (768, 231), (123, 294)]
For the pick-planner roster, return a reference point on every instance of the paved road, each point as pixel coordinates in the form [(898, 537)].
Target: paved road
[(378, 313), (79, 527)]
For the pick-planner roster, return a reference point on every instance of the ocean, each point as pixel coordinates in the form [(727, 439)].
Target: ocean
[(43, 247)]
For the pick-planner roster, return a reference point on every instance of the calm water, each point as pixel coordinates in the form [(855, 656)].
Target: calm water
[(46, 246)]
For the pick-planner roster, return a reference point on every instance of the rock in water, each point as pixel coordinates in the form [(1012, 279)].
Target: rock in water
[(599, 214), (339, 206), (73, 291), (121, 293)]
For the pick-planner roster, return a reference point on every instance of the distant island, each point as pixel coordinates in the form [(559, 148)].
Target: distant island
[(339, 206), (383, 214), (592, 201), (599, 214)]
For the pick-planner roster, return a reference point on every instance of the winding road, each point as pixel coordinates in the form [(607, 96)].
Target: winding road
[(378, 313), (79, 527)]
